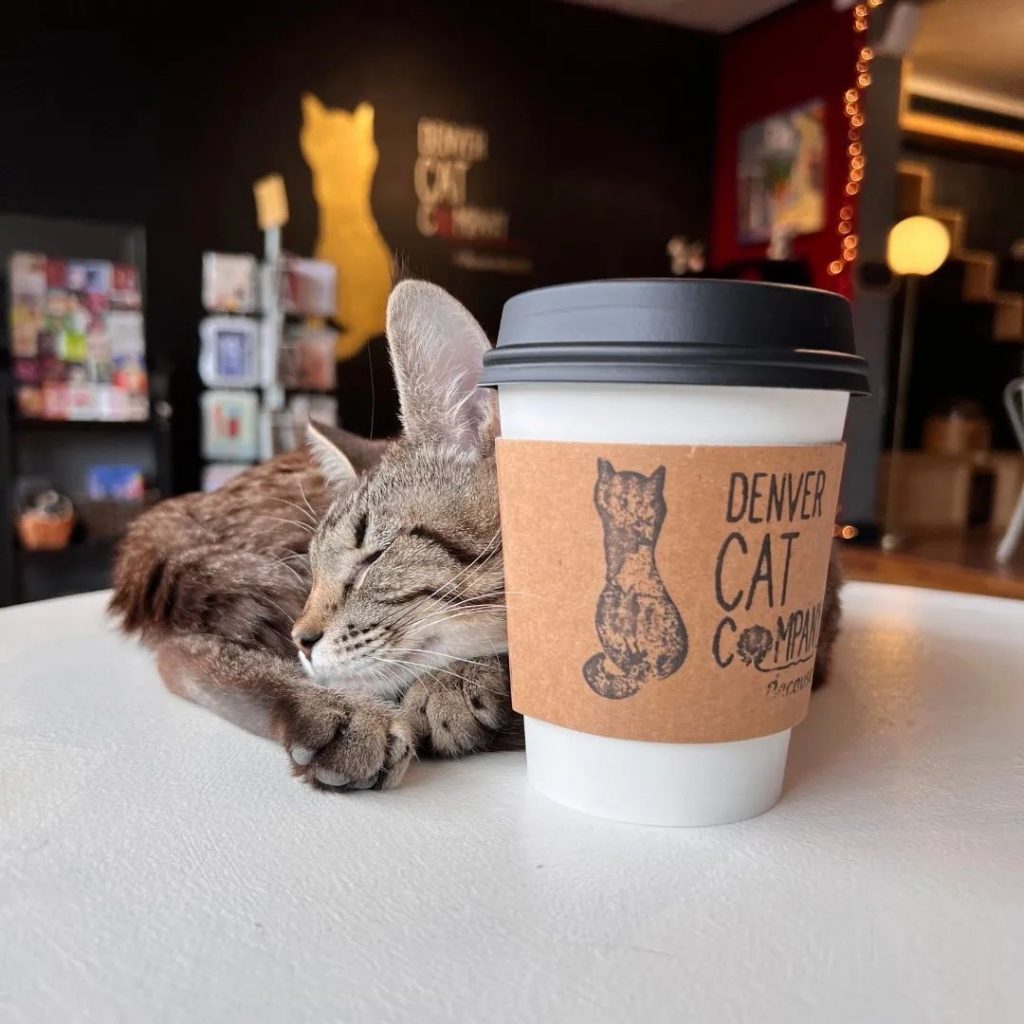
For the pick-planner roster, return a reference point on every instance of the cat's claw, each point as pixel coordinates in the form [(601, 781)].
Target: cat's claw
[(335, 780)]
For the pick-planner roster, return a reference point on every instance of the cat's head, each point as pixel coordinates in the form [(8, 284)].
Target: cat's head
[(407, 567), (340, 150), (630, 501)]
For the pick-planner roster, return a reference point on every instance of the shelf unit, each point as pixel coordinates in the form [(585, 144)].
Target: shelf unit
[(62, 450)]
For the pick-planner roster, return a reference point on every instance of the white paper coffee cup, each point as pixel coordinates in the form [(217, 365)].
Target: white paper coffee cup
[(621, 324)]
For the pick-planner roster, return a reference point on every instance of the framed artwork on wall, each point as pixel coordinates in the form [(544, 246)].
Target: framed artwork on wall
[(781, 174)]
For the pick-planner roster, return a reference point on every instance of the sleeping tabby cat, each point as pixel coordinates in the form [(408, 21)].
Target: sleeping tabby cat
[(380, 561)]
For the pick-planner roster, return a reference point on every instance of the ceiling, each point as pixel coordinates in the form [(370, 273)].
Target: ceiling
[(705, 15), (975, 44)]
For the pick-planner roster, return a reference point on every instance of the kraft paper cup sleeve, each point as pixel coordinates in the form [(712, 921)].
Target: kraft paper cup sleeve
[(665, 592)]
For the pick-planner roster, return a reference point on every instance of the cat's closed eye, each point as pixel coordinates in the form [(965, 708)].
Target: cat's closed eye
[(364, 566), (360, 530)]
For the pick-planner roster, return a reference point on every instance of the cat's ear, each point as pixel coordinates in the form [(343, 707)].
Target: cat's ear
[(313, 111), (437, 353), (363, 118), (605, 470), (363, 452), (332, 461), (657, 480)]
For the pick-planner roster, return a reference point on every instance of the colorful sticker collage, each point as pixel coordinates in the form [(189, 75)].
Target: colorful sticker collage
[(77, 339)]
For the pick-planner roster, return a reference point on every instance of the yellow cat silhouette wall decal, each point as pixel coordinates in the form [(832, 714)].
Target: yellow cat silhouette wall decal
[(341, 153)]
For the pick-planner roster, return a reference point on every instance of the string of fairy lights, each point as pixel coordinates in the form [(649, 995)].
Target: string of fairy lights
[(854, 147)]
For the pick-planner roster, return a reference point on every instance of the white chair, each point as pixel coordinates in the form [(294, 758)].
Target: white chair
[(1013, 398)]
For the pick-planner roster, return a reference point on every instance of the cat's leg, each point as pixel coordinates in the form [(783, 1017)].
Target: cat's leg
[(464, 709), (335, 739)]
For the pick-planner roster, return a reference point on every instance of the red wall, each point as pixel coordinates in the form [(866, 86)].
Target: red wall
[(804, 52)]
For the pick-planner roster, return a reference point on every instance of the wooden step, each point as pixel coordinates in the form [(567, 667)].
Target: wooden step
[(914, 188), (979, 275), (980, 271), (1008, 324), (953, 221)]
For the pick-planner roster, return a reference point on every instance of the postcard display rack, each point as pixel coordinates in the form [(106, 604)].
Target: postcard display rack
[(266, 356)]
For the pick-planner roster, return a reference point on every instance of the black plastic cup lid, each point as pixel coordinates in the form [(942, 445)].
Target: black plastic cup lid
[(671, 331)]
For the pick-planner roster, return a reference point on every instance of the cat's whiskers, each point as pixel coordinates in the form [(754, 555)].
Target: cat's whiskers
[(410, 677), (424, 650), (479, 564), (284, 565), (289, 522), (291, 556), (423, 668), (309, 515), (446, 606), (302, 491), (477, 662), (485, 553), (288, 615), (447, 611), (446, 585), (393, 680)]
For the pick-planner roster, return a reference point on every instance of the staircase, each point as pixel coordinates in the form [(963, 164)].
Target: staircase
[(980, 271), (971, 313)]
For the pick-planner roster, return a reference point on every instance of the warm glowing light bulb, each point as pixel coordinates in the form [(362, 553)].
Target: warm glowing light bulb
[(917, 245), (846, 213), (835, 267)]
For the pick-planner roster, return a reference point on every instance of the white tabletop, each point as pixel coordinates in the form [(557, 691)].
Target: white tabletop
[(156, 864)]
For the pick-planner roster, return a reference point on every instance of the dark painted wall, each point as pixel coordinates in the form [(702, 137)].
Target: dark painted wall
[(600, 142)]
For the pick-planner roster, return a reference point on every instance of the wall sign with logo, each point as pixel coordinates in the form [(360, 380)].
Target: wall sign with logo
[(447, 153)]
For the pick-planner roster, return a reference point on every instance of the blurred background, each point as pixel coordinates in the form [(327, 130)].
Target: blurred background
[(200, 215)]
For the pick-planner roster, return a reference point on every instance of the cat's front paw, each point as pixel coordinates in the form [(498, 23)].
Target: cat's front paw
[(336, 742), (456, 714)]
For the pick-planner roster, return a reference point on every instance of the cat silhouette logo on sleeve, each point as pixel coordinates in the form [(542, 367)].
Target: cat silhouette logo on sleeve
[(641, 631)]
